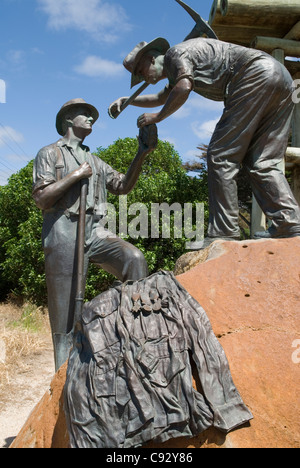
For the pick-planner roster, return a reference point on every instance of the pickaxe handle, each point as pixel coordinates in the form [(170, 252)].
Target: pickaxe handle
[(128, 101)]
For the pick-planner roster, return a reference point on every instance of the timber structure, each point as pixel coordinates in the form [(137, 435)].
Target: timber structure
[(272, 26)]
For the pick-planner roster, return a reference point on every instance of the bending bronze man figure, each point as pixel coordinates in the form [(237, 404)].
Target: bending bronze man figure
[(58, 171), (253, 130)]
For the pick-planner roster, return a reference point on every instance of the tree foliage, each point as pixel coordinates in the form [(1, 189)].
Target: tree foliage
[(163, 180), (21, 256)]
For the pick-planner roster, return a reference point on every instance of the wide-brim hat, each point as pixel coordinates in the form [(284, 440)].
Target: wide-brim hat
[(132, 60), (78, 102)]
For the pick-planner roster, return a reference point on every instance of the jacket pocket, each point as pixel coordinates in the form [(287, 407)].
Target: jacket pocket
[(159, 362), (99, 323), (106, 370), (105, 384)]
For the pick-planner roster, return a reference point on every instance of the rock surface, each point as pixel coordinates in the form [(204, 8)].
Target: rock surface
[(251, 292), (46, 425)]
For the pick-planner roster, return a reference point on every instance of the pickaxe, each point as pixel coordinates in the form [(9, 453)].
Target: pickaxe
[(201, 28)]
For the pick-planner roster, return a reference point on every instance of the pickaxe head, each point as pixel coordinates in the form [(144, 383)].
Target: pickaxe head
[(201, 28)]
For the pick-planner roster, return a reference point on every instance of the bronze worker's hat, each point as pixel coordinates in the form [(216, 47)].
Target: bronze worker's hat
[(132, 60), (67, 106)]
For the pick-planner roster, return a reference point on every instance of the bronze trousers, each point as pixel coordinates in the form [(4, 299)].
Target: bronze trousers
[(253, 132), (108, 251)]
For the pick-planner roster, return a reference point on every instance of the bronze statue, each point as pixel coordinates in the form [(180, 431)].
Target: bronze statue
[(58, 171), (253, 130)]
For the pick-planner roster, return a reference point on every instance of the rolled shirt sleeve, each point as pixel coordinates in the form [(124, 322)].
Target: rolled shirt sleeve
[(44, 169), (114, 180), (179, 65)]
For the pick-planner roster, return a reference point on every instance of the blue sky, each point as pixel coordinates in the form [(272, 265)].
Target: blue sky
[(52, 51)]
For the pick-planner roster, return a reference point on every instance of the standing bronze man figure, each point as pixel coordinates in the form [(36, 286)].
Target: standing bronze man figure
[(58, 171), (253, 130)]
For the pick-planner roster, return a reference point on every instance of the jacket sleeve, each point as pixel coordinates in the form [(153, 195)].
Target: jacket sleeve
[(212, 367)]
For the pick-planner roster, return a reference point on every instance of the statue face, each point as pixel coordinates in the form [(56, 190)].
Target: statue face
[(149, 69), (81, 120)]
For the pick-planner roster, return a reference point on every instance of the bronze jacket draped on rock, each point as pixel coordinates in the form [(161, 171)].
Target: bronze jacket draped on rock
[(129, 376)]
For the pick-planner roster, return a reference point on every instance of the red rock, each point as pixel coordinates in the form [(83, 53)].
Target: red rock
[(251, 292), (46, 425)]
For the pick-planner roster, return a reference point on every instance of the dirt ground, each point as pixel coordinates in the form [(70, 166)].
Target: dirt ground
[(25, 375)]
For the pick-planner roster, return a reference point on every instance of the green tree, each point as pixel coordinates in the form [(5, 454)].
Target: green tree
[(163, 180), (21, 256)]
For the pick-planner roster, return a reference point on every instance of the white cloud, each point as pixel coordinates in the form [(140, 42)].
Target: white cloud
[(8, 134), (170, 140), (204, 130), (201, 103), (102, 20), (191, 154), (37, 51), (16, 57), (198, 105), (182, 113), (12, 158), (93, 66)]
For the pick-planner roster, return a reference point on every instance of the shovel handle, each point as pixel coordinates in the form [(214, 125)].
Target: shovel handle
[(81, 242)]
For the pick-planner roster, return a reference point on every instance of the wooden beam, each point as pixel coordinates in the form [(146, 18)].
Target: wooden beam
[(246, 19), (260, 11), (258, 219), (268, 44), (296, 143), (292, 155), (293, 67), (279, 55), (215, 12), (296, 127), (296, 182), (242, 35), (294, 33)]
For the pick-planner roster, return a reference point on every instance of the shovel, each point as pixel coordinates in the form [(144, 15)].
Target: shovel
[(80, 287), (64, 342)]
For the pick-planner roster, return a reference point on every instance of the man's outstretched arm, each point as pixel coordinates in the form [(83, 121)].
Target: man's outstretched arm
[(146, 101), (123, 184), (176, 99)]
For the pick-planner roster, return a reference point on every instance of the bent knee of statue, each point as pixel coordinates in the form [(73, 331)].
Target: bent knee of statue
[(136, 264)]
